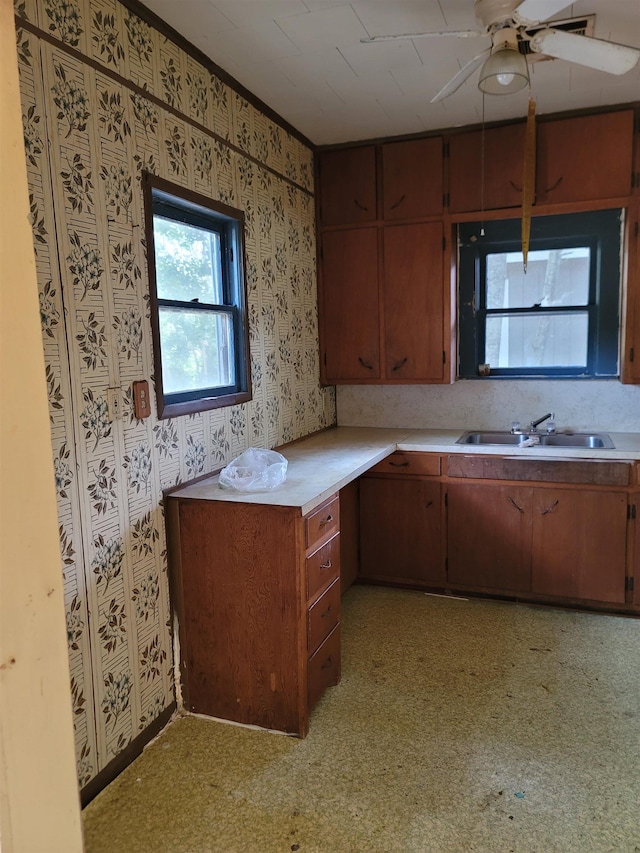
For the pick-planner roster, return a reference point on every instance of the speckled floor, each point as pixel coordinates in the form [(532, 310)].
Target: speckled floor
[(458, 726)]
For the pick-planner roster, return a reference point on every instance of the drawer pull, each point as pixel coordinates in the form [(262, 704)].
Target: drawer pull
[(326, 565), (364, 363), (326, 613), (399, 464), (327, 663), (549, 508), (327, 520), (519, 508)]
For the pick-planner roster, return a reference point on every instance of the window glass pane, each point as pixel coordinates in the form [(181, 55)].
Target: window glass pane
[(197, 349), (188, 262), (553, 277), (535, 340)]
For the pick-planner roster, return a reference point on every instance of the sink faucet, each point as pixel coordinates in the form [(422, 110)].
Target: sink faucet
[(551, 426)]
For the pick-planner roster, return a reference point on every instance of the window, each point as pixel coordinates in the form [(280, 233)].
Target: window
[(198, 299), (561, 317)]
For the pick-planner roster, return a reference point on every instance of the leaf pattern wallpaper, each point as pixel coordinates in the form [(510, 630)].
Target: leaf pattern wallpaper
[(104, 97)]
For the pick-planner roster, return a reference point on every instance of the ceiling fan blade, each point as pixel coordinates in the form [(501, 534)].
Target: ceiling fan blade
[(534, 11), (593, 53), (466, 71), (461, 34)]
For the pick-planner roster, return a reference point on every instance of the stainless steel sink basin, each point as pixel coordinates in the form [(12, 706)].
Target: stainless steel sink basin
[(590, 440)]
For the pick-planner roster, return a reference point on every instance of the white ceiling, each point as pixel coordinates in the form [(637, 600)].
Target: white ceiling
[(304, 59)]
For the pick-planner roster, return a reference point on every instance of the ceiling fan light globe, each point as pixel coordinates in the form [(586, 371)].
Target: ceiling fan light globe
[(504, 73)]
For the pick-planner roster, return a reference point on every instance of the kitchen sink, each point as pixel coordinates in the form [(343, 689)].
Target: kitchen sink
[(591, 440)]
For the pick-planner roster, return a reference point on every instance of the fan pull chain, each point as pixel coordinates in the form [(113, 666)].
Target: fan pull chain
[(528, 179), (482, 172)]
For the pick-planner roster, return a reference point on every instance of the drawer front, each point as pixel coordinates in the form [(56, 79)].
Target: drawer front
[(408, 462), (323, 566), (323, 522), (323, 616), (324, 667)]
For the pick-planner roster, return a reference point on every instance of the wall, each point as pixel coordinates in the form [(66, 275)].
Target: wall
[(104, 96), (493, 404), (39, 807)]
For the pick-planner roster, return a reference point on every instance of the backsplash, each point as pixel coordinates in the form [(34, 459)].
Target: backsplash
[(606, 405)]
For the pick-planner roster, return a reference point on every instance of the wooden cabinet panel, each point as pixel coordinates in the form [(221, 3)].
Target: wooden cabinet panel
[(413, 302), (400, 530), (348, 185), (323, 521), (324, 667), (404, 462), (349, 534), (323, 616), (351, 319), (630, 368), (584, 158), (323, 566), (412, 178), (489, 536), (579, 544), (498, 183)]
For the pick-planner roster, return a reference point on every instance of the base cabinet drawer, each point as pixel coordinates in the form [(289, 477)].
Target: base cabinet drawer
[(323, 616), (323, 566), (324, 667)]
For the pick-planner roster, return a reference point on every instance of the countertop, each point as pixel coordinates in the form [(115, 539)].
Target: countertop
[(325, 462)]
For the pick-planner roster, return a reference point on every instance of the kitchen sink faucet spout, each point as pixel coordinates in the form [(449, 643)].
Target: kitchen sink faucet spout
[(535, 424)]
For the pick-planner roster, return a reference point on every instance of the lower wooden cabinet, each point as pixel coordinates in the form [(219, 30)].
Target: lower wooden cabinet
[(489, 536), (256, 589), (401, 530)]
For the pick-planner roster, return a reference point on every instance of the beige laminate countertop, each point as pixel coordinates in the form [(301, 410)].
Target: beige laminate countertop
[(324, 463)]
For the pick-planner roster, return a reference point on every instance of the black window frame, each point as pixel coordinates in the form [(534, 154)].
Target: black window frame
[(601, 231), (169, 200)]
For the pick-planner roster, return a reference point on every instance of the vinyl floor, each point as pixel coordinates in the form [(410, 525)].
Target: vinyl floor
[(458, 726)]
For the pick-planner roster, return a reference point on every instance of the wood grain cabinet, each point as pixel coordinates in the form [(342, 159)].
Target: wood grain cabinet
[(584, 158), (401, 525), (256, 589), (555, 541), (347, 185), (412, 179), (485, 169)]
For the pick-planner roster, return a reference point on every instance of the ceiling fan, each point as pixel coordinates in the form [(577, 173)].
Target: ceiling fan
[(512, 23)]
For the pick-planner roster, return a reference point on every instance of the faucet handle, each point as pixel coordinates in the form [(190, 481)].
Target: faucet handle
[(515, 426), (551, 423)]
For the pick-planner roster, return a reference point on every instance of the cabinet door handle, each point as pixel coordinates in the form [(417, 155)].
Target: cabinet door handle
[(326, 565), (326, 664), (519, 508), (516, 187), (549, 508), (326, 613), (554, 186), (326, 520), (361, 206), (398, 203), (364, 363), (428, 504), (399, 464), (400, 364)]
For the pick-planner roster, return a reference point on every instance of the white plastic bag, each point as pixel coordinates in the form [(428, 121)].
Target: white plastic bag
[(255, 470)]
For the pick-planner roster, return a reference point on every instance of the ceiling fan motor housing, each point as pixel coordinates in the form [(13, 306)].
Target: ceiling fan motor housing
[(495, 13)]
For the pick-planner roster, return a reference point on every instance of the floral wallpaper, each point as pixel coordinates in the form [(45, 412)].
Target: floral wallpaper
[(105, 96)]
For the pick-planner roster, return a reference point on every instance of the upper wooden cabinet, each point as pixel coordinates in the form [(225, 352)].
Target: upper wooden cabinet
[(349, 309), (498, 183), (347, 180), (584, 158), (412, 179), (413, 302)]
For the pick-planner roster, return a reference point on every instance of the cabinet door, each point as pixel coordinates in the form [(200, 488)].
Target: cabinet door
[(412, 178), (413, 300), (400, 530), (348, 186), (630, 367), (498, 183), (489, 536), (584, 158), (350, 312), (579, 544)]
